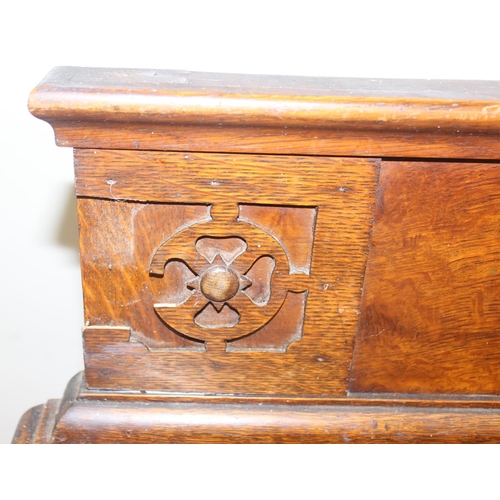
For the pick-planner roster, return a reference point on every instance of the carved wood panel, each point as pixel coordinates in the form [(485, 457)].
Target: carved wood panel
[(224, 288), (235, 263)]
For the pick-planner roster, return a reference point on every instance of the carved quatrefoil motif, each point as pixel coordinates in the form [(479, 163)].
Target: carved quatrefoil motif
[(219, 283), (241, 283)]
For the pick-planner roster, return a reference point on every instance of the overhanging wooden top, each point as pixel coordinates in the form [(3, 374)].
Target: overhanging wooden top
[(160, 109)]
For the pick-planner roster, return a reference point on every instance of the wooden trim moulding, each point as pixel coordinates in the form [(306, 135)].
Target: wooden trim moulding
[(112, 418), (172, 110)]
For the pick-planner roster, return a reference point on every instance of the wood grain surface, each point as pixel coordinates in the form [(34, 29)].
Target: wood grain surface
[(89, 94), (249, 278), (284, 140), (37, 424), (28, 425), (120, 292), (184, 111), (106, 417), (431, 304), (195, 423)]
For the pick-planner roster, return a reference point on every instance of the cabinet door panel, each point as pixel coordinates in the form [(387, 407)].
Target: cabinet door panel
[(430, 318)]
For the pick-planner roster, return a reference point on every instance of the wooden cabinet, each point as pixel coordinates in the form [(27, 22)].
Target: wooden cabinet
[(278, 259)]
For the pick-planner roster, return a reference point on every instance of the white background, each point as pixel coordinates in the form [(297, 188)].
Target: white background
[(41, 303)]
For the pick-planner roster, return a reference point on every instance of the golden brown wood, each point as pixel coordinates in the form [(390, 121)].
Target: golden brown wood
[(191, 423), (303, 141), (359, 399), (104, 417), (115, 421), (151, 109), (108, 257), (172, 97), (339, 225), (146, 109), (219, 284), (247, 279), (431, 303), (293, 228)]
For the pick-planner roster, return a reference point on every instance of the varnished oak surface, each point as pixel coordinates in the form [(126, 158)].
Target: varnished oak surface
[(206, 423), (275, 424), (116, 257), (183, 97), (118, 418), (280, 259), (163, 110), (431, 302)]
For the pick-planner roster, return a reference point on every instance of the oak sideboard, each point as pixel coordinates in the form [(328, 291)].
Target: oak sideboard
[(271, 259)]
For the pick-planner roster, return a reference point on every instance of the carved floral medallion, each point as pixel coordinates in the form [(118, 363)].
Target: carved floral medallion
[(227, 279)]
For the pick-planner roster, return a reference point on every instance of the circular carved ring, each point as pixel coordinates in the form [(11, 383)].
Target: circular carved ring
[(226, 289)]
